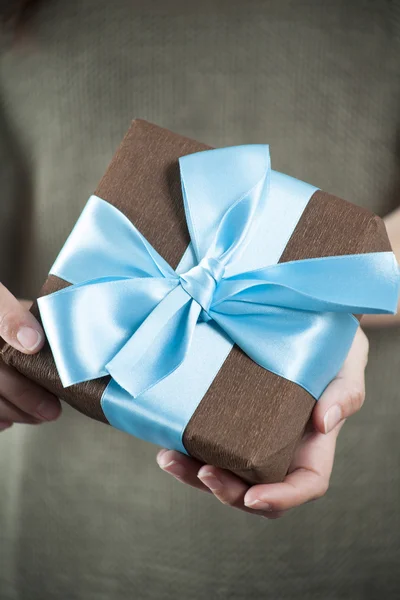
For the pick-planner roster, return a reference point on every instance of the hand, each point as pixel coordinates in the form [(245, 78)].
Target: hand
[(21, 400), (310, 471), (392, 223)]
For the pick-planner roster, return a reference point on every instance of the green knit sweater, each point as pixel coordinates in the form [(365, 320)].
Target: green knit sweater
[(84, 511)]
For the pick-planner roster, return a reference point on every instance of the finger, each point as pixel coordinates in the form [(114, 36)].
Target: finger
[(225, 486), (18, 327), (186, 470), (228, 488), (11, 414), (308, 480), (346, 394), (183, 468), (27, 396), (231, 490)]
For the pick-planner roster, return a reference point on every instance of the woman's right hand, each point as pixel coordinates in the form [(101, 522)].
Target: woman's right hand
[(22, 400)]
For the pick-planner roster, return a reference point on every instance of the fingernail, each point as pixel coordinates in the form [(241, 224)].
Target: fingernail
[(257, 504), (173, 467), (160, 454), (29, 338), (332, 417), (48, 410), (211, 481), (163, 460)]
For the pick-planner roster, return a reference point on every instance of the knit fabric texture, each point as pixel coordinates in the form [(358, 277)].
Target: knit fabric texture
[(85, 513)]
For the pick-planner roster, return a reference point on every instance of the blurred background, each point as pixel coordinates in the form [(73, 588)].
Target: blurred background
[(85, 512)]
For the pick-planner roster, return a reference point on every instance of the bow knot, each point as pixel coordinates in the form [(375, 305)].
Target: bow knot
[(201, 281)]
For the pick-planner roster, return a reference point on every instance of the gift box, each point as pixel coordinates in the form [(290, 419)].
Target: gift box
[(204, 301)]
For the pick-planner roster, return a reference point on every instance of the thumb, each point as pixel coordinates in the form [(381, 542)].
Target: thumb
[(345, 395), (18, 327)]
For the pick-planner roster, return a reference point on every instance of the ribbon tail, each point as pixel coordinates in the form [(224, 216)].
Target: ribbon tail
[(159, 346), (305, 347), (359, 284)]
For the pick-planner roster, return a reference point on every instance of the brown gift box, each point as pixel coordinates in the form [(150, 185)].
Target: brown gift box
[(250, 420)]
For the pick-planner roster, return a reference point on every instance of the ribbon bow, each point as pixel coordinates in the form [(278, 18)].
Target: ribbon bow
[(130, 315)]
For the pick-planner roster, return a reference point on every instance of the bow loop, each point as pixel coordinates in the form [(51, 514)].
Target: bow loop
[(225, 192)]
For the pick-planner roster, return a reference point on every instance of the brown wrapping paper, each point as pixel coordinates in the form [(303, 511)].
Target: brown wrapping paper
[(250, 420)]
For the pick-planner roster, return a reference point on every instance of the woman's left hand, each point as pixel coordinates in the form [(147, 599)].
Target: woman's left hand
[(310, 471)]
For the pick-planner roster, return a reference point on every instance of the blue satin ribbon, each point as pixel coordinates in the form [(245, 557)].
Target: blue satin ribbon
[(163, 335)]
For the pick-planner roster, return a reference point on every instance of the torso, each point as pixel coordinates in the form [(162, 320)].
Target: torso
[(86, 504)]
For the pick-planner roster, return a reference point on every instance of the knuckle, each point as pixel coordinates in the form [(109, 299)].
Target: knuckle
[(355, 398), (322, 489), (229, 499), (22, 397), (9, 324), (226, 500)]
